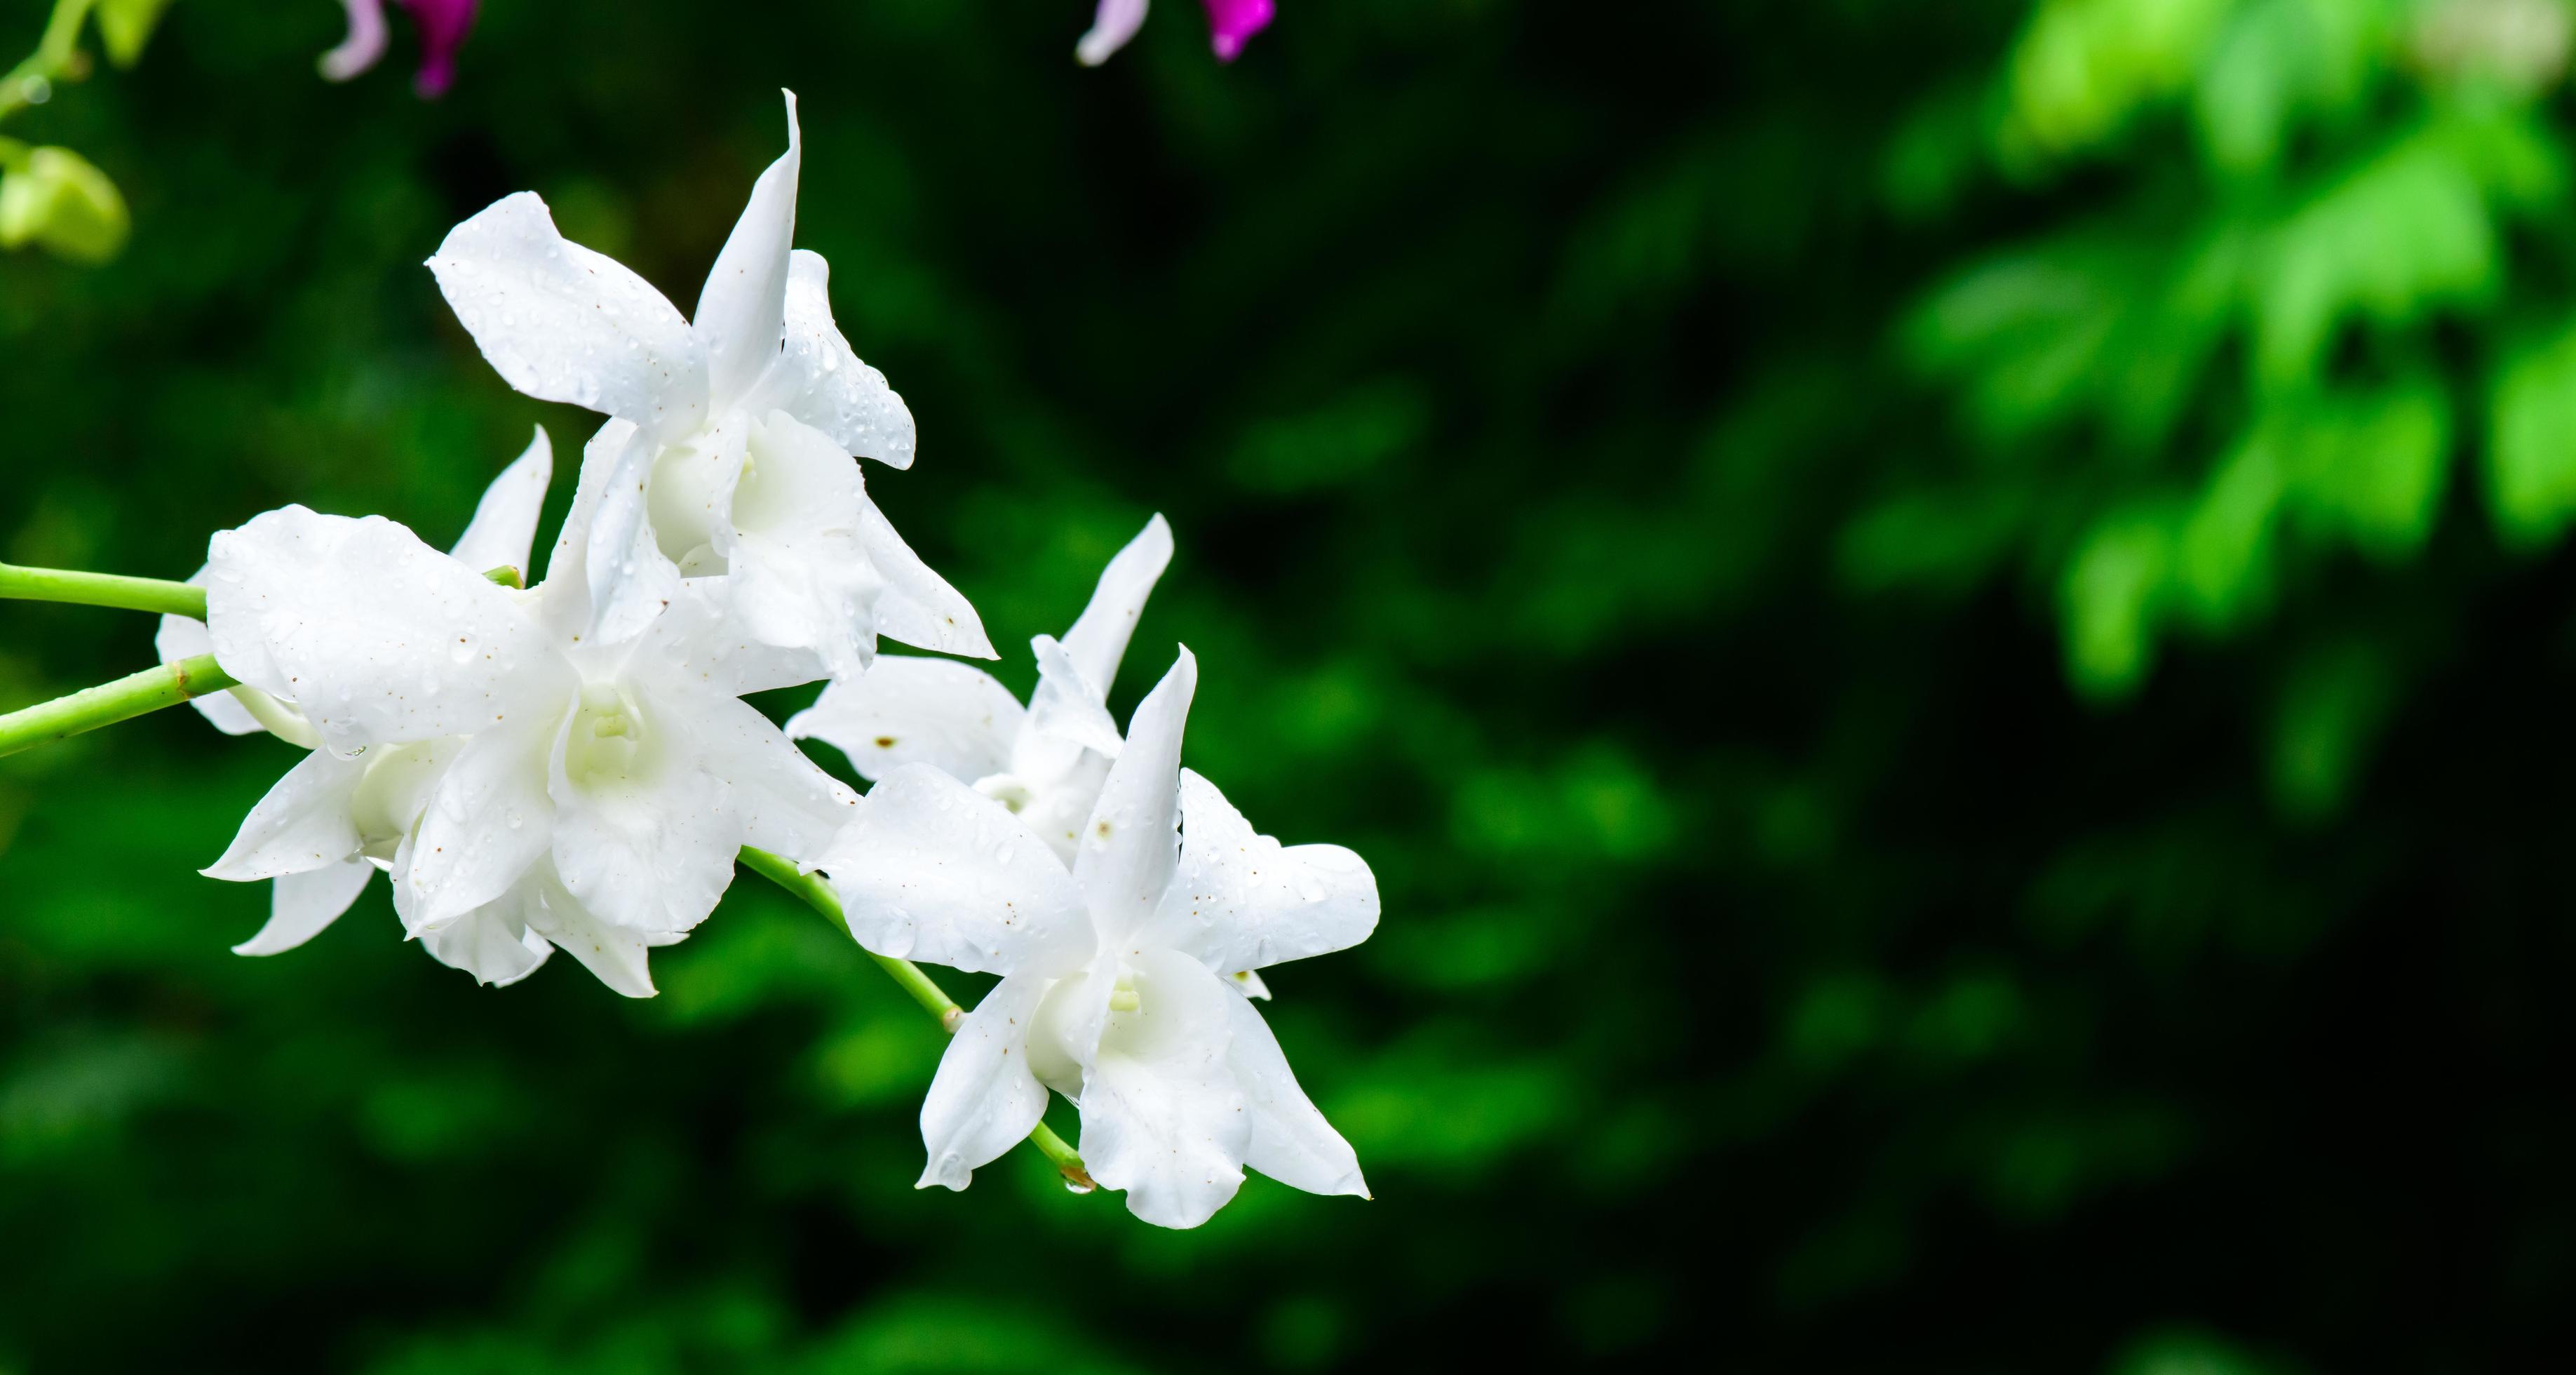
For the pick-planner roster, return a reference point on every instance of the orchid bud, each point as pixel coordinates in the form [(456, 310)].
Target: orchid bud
[(124, 26), (57, 199)]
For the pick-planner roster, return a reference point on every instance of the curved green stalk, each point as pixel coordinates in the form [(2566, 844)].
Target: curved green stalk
[(817, 894), (109, 703), (135, 594), (102, 589), (57, 56)]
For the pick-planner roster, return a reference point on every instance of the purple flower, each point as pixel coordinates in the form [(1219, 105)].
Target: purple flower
[(443, 25), (1230, 24)]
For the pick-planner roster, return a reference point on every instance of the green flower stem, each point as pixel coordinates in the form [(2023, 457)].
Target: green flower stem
[(134, 694), (132, 594), (817, 894), (102, 589), (56, 57), (109, 703)]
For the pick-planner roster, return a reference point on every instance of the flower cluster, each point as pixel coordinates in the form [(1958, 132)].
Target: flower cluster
[(570, 766)]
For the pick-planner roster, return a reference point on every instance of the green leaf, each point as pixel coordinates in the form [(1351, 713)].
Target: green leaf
[(124, 26), (2395, 238), (1942, 541), (2330, 710), (2189, 1351), (1334, 444), (2531, 443), (2084, 68), (2278, 62), (2371, 469), (2105, 321), (2224, 556), (61, 203), (2114, 597)]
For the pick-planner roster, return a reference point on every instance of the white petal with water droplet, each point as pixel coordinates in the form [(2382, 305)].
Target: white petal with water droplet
[(562, 323)]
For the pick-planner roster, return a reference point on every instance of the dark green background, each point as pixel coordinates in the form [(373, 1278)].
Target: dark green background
[(1945, 629)]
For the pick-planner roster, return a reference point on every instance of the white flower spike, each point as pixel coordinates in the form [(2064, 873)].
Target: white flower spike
[(525, 787), (1046, 762), (743, 424), (502, 534), (1113, 989)]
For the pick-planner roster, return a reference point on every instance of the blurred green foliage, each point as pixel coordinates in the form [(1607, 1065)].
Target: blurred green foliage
[(2311, 264), (53, 198), (1947, 627)]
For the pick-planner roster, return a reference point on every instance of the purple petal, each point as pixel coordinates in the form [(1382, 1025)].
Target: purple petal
[(1112, 25), (443, 25), (1232, 22), (365, 43)]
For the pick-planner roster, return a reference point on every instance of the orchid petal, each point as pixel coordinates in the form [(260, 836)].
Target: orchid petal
[(1066, 705), (365, 44), (564, 598), (487, 820), (790, 538), (1061, 796), (918, 607), (1232, 23), (376, 637), (1162, 1114), (1131, 845), (1098, 640), (395, 792), (300, 905), (951, 716), (494, 942), (1066, 1038), (821, 381), (643, 840), (931, 869), (613, 953), (786, 802), (302, 824), (503, 533), (1112, 25), (742, 309), (797, 484), (1291, 1141), (628, 576), (1244, 901), (443, 25), (185, 637), (698, 640), (985, 1098), (562, 323)]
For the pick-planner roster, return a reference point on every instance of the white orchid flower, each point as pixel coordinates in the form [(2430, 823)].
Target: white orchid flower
[(1045, 762), (526, 787), (502, 534), (1112, 989), (744, 421)]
